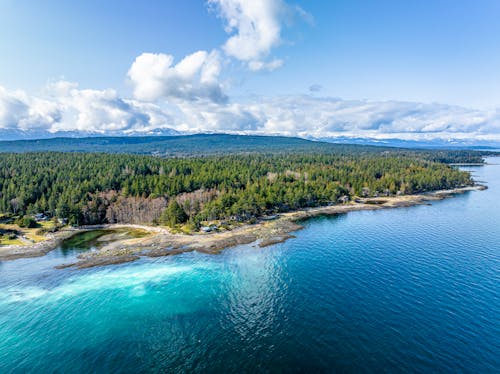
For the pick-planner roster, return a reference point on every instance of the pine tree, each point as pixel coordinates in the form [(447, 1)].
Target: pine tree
[(174, 214)]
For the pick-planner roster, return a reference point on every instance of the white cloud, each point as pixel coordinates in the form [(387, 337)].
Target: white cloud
[(97, 110), (308, 116), (269, 66), (68, 108), (20, 111), (196, 77), (255, 29)]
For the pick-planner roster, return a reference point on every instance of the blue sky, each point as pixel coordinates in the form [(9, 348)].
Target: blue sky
[(387, 68)]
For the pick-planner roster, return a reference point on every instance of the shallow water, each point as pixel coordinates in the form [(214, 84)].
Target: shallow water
[(93, 239), (413, 289)]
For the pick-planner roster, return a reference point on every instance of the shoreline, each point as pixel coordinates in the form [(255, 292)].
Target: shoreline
[(161, 242)]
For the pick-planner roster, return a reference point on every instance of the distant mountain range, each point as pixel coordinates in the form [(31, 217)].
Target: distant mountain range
[(433, 143), (224, 144), (179, 145), (17, 134)]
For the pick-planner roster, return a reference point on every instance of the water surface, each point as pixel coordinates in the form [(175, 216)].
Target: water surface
[(411, 289)]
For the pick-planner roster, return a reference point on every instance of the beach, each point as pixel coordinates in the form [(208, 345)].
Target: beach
[(162, 242)]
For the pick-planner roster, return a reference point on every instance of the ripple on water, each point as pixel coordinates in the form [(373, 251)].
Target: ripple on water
[(413, 289)]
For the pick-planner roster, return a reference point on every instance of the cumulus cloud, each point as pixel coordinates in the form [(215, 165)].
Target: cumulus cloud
[(308, 116), (90, 110), (65, 107), (68, 108), (195, 77), (20, 111), (255, 28)]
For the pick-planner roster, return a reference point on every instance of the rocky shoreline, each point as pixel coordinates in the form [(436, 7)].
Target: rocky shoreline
[(161, 242)]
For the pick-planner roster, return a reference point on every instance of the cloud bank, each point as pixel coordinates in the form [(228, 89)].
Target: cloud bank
[(69, 108)]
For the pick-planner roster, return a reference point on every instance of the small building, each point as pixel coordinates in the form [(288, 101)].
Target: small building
[(365, 192), (209, 228), (270, 218), (344, 199), (39, 217)]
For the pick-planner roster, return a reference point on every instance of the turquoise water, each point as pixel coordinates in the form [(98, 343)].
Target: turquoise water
[(413, 289)]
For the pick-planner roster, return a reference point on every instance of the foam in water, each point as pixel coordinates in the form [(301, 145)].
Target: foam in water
[(134, 278)]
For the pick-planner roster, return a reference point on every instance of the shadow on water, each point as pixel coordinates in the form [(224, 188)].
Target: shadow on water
[(321, 217)]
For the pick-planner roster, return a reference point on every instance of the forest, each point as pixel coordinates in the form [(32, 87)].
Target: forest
[(91, 188), (199, 145)]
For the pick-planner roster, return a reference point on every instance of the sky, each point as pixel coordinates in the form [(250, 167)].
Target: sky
[(358, 68)]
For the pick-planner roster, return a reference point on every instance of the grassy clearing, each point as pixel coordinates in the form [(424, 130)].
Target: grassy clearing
[(7, 241), (13, 234)]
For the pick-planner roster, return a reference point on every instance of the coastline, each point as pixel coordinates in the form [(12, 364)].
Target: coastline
[(162, 242)]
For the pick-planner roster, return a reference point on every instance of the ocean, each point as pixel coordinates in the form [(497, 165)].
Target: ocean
[(401, 290)]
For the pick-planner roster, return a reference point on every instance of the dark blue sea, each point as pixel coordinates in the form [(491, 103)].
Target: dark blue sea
[(400, 290)]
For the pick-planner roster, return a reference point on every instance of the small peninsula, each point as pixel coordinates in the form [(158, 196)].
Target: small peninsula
[(157, 242), (211, 202), (135, 241)]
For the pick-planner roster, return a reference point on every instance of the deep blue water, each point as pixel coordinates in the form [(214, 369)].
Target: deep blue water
[(408, 290)]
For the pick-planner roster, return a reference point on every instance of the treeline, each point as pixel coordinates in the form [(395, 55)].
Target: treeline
[(88, 188), (223, 144)]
